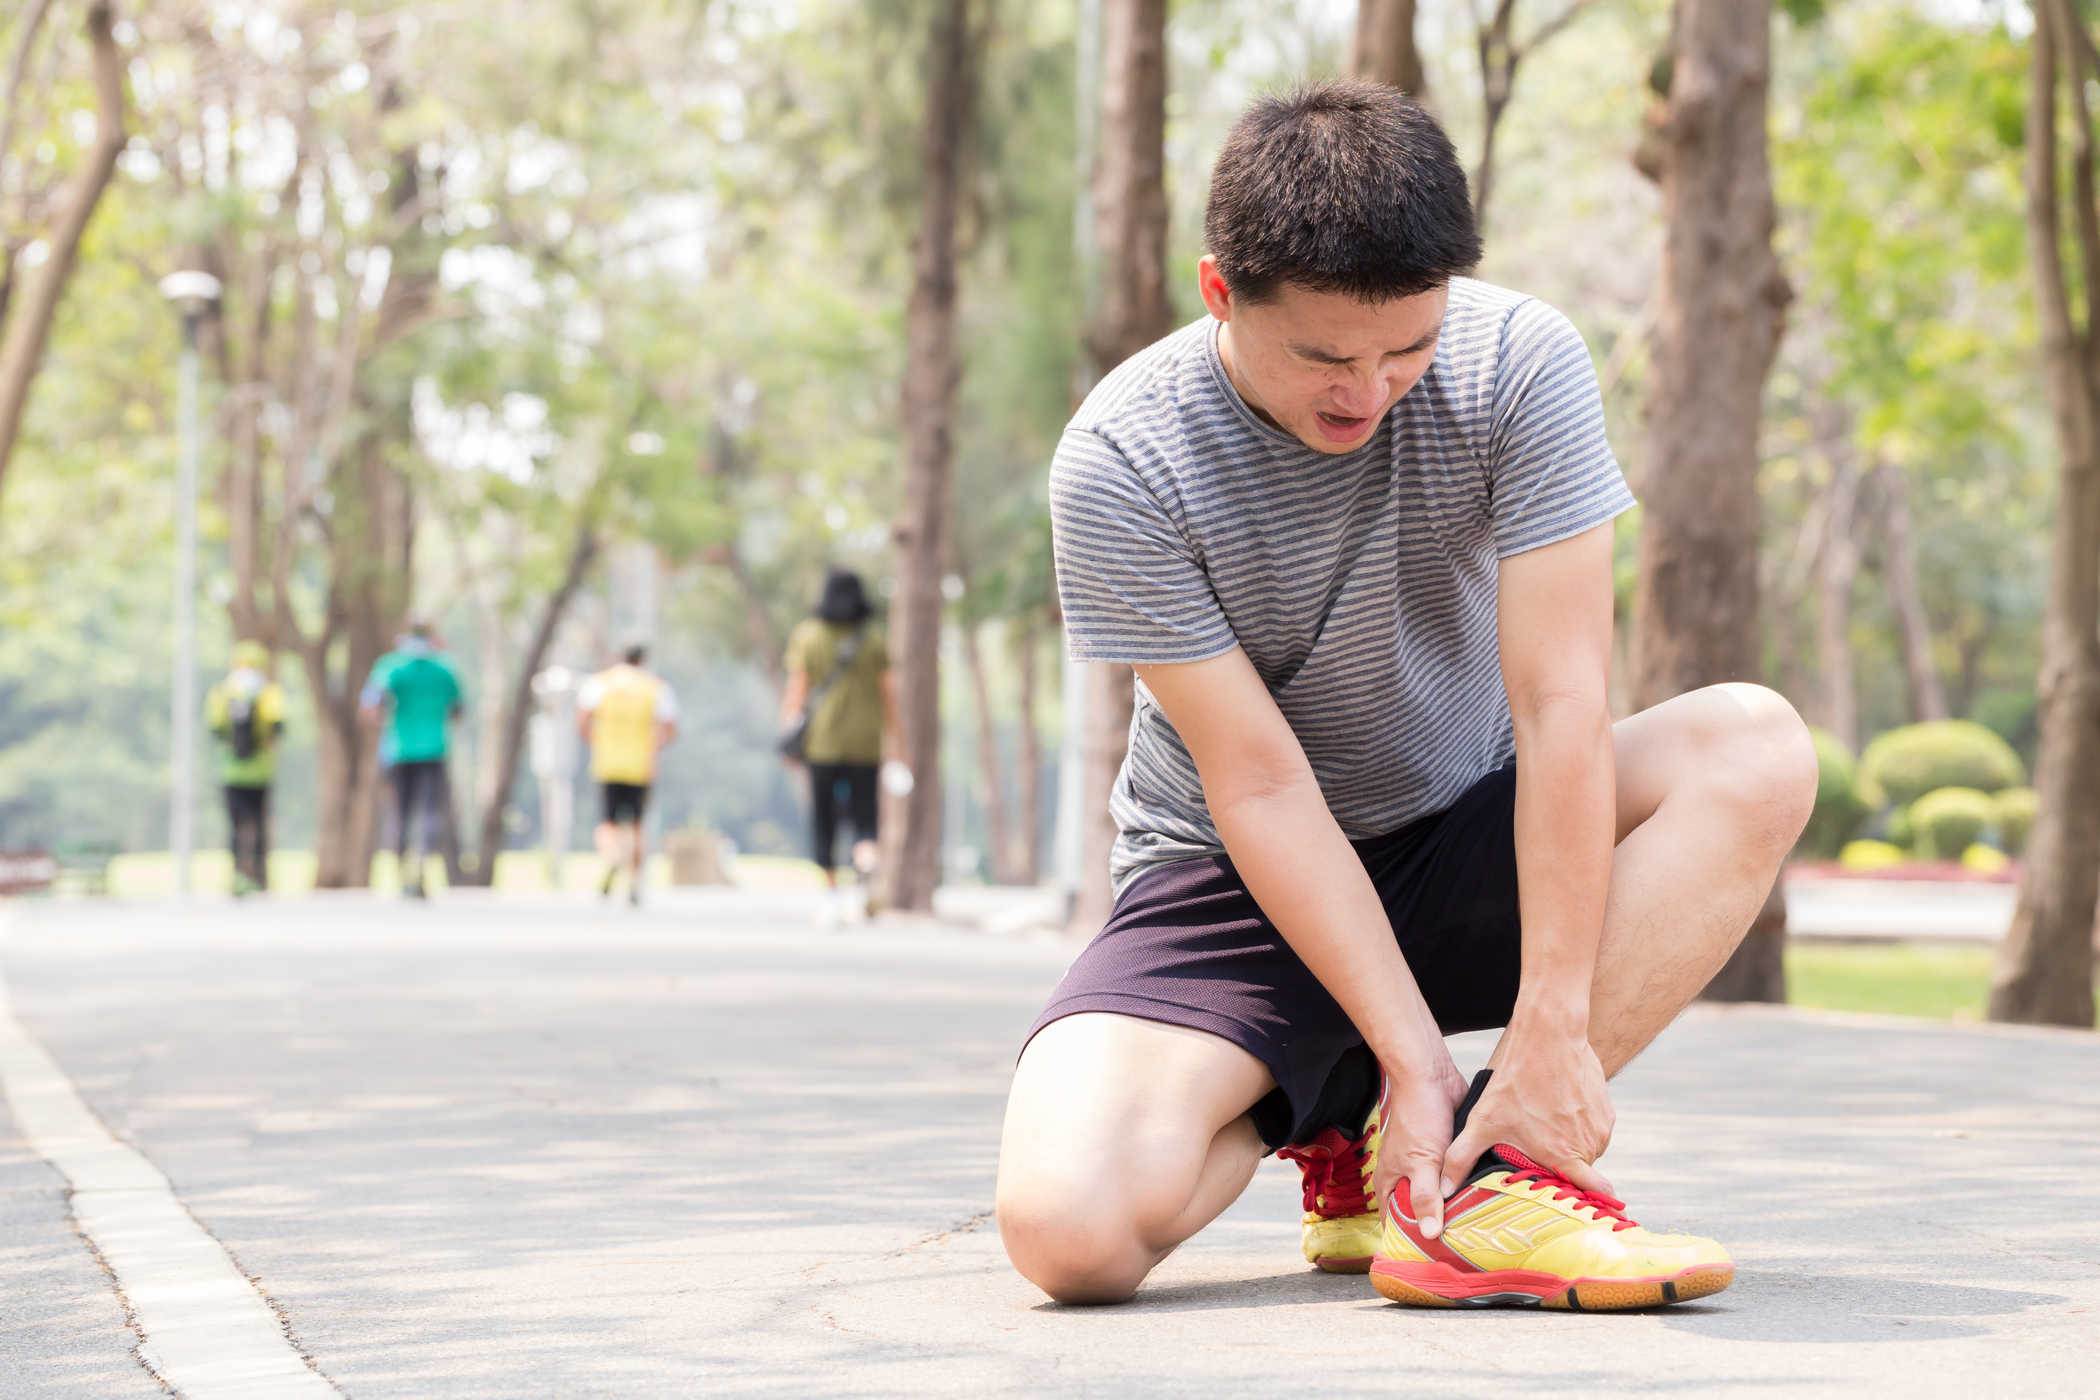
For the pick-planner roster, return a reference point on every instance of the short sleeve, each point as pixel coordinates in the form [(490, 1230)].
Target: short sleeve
[(376, 688), (1551, 472), (1131, 585), (590, 693), (798, 649), (878, 650)]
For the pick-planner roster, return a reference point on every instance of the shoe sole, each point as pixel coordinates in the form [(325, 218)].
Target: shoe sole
[(1360, 1265), (1435, 1285)]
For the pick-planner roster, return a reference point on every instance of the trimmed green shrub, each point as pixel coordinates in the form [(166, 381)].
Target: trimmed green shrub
[(1839, 811), (2013, 812), (1861, 856), (1899, 833), (1905, 764), (1948, 821), (1985, 860)]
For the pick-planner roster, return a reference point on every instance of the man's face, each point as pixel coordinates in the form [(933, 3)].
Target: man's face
[(1323, 366)]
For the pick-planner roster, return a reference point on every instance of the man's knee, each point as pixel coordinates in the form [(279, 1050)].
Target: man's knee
[(1071, 1243), (1762, 762)]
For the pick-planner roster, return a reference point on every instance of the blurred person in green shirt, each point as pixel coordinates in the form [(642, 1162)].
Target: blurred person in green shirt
[(416, 689), (245, 712)]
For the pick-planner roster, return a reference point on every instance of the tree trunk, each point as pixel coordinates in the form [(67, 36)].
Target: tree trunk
[(1722, 300), (1899, 573), (911, 827), (1028, 796), (991, 785), (371, 549), (1103, 745), (2045, 964), (372, 528), (1495, 38), (1130, 233), (1836, 569), (1499, 56), (343, 758), (1385, 50), (29, 312), (517, 711), (1972, 644)]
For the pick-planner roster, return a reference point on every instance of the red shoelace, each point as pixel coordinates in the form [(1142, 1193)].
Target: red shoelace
[(1533, 1177), (1333, 1167)]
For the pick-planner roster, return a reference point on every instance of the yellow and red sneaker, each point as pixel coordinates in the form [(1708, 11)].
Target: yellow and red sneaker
[(1519, 1235), (1341, 1220)]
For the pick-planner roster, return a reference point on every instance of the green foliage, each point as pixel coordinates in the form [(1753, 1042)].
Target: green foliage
[(1897, 163), (2012, 812), (1905, 764), (1948, 821), (1900, 833), (1839, 810), (2012, 715)]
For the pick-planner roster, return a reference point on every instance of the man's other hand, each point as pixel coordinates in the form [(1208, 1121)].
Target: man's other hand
[(1548, 1100)]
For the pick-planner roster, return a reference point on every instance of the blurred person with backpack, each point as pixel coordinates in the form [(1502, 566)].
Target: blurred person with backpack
[(417, 689), (627, 715), (245, 712), (838, 713)]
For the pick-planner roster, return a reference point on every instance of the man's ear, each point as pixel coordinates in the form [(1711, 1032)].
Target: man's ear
[(1210, 283)]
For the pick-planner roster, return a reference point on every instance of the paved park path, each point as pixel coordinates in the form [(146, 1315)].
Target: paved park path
[(515, 1150)]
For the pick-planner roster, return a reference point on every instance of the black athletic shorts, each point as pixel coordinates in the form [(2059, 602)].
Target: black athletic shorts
[(1188, 945), (624, 801)]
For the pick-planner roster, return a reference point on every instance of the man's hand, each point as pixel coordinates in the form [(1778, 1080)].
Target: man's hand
[(1418, 1113), (1548, 1100)]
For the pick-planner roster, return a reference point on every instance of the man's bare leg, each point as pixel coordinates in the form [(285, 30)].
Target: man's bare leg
[(1103, 1169), (1713, 790)]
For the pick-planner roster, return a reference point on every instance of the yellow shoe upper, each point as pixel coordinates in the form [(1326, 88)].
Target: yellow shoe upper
[(1341, 1219), (1517, 1215)]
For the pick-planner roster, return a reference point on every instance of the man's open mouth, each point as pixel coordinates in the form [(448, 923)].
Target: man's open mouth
[(1339, 428)]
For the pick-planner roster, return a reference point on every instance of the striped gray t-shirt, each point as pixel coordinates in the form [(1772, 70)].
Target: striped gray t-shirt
[(1362, 586)]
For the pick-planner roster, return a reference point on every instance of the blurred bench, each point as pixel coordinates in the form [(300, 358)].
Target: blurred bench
[(27, 872)]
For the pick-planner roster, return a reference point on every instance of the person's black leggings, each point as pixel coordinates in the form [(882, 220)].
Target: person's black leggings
[(831, 787), (248, 813), (419, 794)]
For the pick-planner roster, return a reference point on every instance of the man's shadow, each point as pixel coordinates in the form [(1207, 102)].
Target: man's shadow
[(1762, 1306)]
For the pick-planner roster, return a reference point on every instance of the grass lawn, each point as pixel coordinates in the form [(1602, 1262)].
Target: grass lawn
[(1945, 982)]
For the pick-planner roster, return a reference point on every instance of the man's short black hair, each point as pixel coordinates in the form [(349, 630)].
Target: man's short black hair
[(636, 653), (1344, 186)]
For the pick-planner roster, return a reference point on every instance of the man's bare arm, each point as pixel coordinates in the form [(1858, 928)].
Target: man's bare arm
[(1555, 619), (1274, 822)]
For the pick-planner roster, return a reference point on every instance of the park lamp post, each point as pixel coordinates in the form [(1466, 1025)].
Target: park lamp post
[(193, 293)]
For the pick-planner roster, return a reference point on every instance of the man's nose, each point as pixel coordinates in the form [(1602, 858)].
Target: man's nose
[(1362, 395)]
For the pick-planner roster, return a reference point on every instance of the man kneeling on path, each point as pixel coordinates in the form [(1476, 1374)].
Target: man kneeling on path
[(1353, 529)]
